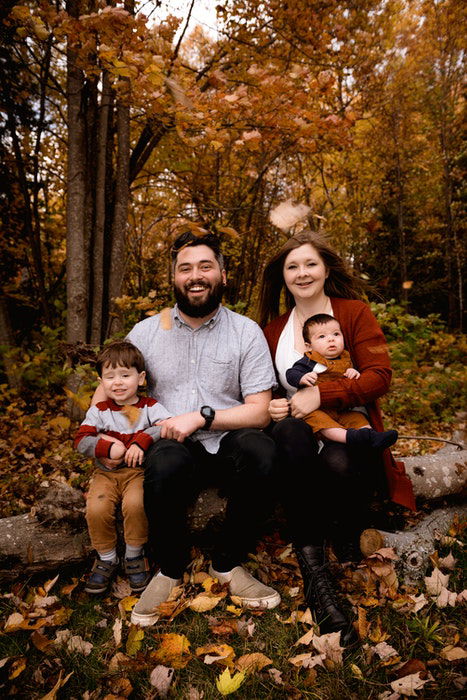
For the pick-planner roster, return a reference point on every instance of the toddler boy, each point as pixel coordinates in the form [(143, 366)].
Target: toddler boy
[(121, 428), (325, 360)]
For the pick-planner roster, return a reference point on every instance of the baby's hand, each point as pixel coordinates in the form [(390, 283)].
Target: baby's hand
[(134, 456), (352, 373), (117, 450), (309, 379)]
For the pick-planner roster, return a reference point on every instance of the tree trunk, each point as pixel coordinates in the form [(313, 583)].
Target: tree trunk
[(77, 262)]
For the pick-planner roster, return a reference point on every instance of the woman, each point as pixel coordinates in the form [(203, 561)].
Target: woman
[(325, 495)]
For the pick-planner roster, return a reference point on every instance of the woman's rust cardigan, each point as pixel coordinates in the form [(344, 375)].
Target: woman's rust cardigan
[(366, 343)]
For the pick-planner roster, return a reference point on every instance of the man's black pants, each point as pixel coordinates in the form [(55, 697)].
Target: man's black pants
[(175, 473)]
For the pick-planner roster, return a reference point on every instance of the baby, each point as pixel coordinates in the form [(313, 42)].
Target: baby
[(120, 428), (325, 360)]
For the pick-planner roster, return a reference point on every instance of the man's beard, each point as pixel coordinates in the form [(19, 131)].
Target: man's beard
[(199, 309)]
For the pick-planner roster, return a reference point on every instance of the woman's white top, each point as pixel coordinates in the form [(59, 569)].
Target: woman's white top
[(287, 355)]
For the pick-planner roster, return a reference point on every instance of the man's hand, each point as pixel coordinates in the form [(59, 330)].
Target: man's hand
[(180, 427), (134, 456), (309, 379), (304, 402), (279, 409), (352, 373)]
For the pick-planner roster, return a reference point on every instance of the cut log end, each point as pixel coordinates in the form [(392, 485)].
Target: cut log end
[(370, 541)]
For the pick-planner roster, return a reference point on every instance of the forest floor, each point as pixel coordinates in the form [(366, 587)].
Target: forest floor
[(56, 641)]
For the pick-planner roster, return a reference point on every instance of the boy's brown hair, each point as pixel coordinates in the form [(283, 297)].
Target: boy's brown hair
[(316, 320), (120, 352)]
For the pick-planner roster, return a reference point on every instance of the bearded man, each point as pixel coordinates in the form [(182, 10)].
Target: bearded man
[(212, 370)]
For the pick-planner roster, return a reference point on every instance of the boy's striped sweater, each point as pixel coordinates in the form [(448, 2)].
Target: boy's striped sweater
[(121, 422)]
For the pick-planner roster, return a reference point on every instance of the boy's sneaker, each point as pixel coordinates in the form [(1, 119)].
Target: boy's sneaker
[(253, 593), (101, 576), (139, 573), (146, 611)]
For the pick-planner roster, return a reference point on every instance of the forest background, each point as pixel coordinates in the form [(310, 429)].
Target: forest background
[(121, 123)]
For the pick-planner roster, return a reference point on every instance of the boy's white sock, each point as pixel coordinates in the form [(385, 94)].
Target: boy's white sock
[(108, 556), (133, 552)]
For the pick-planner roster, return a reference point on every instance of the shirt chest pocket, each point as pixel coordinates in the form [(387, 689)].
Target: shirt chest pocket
[(217, 374)]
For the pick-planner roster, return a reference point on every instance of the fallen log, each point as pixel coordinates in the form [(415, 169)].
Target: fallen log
[(413, 546), (443, 473), (54, 533)]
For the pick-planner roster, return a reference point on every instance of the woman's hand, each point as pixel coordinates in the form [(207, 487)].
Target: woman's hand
[(279, 409), (305, 401)]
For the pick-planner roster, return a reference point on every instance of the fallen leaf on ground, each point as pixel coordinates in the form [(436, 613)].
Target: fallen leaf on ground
[(252, 662), (161, 677), (306, 638), (41, 642), (308, 660), (59, 684), (448, 562), (17, 667), (173, 651), (329, 645), (128, 603), (205, 601), (73, 642), (224, 628), (436, 582), (408, 684), (117, 631), (246, 628), (384, 651), (453, 653), (276, 676), (49, 584), (120, 687), (226, 684), (446, 598), (217, 653), (410, 667), (133, 642), (68, 589), (118, 661)]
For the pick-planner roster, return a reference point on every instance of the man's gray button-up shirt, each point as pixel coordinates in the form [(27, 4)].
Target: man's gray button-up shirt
[(217, 364)]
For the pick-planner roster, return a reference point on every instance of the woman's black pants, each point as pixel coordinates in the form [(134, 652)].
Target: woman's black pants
[(175, 473), (321, 493)]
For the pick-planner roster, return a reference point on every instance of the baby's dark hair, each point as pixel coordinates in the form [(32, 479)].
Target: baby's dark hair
[(316, 320), (120, 352)]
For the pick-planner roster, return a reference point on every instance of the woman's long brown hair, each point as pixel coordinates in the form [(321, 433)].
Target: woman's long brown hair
[(341, 281)]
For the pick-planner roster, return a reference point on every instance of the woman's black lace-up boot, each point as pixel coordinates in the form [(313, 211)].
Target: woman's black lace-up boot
[(320, 593)]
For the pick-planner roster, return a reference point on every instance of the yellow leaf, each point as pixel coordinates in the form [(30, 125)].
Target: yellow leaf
[(40, 30), (356, 672), (408, 284), (205, 601), (131, 412), (133, 643), (51, 582), (60, 423), (20, 12), (17, 667), (128, 603), (217, 653), (235, 611), (82, 399), (227, 684), (14, 622), (59, 684), (174, 651), (252, 662)]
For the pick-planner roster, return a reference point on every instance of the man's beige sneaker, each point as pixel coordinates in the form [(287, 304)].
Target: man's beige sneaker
[(252, 592), (145, 613)]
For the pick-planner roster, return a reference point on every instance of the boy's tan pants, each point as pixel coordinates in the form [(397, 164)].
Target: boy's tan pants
[(106, 491)]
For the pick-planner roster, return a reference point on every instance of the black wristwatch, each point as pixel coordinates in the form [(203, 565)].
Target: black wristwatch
[(208, 414)]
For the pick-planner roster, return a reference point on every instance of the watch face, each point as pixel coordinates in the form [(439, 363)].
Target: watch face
[(207, 412)]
